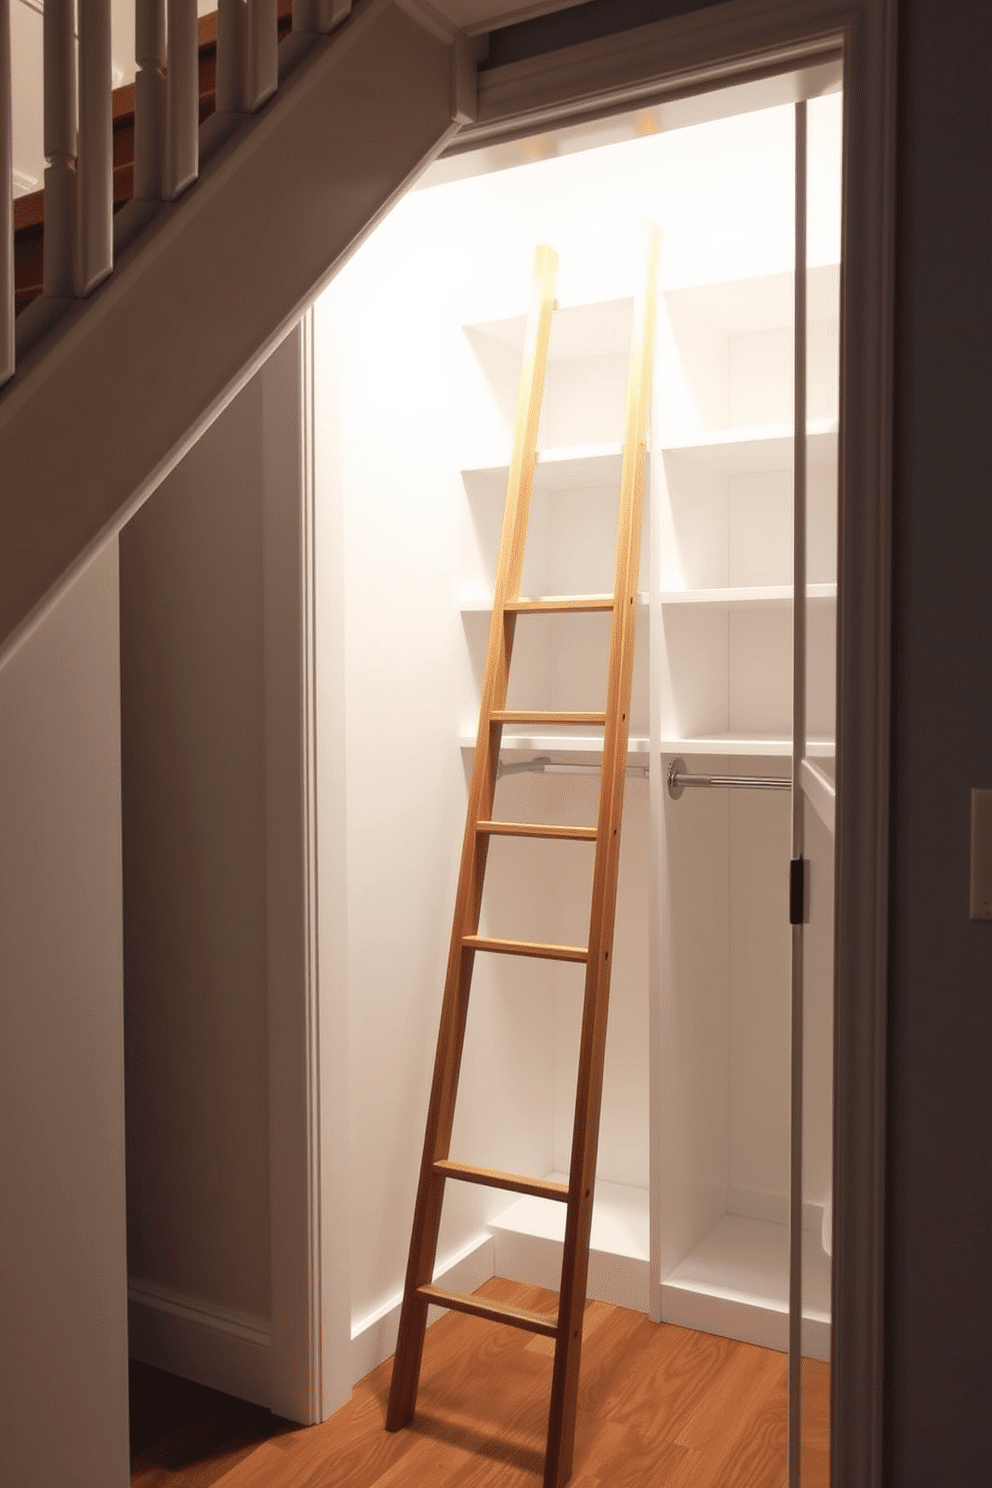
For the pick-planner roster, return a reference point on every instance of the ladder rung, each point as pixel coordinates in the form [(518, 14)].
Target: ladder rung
[(514, 715), (536, 829), (526, 948), (538, 1188), (558, 604), (496, 1312)]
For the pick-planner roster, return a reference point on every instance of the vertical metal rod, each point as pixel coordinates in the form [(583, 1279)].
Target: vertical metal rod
[(6, 202), (95, 166), (798, 749)]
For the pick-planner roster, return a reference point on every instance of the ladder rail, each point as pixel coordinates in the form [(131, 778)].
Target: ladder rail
[(592, 1049), (451, 1037)]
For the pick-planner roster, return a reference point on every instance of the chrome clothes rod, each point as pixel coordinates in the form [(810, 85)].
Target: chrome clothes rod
[(679, 778)]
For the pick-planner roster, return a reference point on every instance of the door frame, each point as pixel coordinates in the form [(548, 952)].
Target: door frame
[(722, 45), (715, 46)]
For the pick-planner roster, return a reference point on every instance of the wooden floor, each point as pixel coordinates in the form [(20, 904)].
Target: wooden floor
[(658, 1405)]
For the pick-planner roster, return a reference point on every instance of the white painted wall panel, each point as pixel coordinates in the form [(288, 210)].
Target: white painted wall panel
[(63, 1275), (194, 873)]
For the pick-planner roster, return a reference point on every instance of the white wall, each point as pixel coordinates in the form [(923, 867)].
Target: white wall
[(237, 1055), (63, 1282), (192, 681), (415, 400)]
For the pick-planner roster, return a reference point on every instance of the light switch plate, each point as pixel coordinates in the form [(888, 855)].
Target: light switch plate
[(981, 854)]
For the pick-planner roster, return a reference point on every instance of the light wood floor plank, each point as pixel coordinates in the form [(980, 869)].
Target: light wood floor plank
[(657, 1405)]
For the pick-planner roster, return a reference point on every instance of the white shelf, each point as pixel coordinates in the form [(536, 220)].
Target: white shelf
[(485, 606), (767, 447), (582, 330), (529, 1238), (589, 747), (736, 306), (754, 746), (562, 468), (736, 1283), (764, 597)]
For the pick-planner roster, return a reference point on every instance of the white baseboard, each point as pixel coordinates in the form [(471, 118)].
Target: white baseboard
[(373, 1337), (619, 1279), (202, 1341)]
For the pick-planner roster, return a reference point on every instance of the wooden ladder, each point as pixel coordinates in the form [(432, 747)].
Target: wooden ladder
[(466, 942)]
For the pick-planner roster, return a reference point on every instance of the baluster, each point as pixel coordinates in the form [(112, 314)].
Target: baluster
[(60, 148), (182, 93), (231, 29), (6, 203), (95, 167), (149, 98), (319, 16), (261, 53)]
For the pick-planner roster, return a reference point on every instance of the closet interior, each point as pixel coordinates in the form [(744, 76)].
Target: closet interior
[(417, 348)]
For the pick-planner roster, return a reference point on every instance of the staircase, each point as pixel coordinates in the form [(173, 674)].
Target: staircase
[(204, 286), (29, 211)]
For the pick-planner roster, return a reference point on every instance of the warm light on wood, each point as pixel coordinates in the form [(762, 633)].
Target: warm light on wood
[(513, 1182), (537, 829), (525, 948), (615, 721)]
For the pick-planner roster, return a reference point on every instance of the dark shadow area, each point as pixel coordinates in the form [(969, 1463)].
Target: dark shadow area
[(589, 21), (175, 1422)]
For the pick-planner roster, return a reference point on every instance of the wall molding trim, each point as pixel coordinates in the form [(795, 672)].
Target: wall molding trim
[(200, 1340)]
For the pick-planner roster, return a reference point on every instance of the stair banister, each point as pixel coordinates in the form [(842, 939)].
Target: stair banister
[(60, 148), (95, 167), (149, 98), (163, 346), (6, 203), (182, 100)]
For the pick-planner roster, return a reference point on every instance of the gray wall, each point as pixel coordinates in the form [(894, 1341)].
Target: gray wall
[(193, 782), (63, 1322), (939, 1301)]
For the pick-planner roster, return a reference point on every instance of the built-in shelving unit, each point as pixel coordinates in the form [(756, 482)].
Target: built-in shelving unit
[(713, 683), (422, 337), (722, 668), (560, 661)]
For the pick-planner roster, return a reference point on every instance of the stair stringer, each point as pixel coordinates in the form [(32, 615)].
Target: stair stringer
[(108, 403)]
